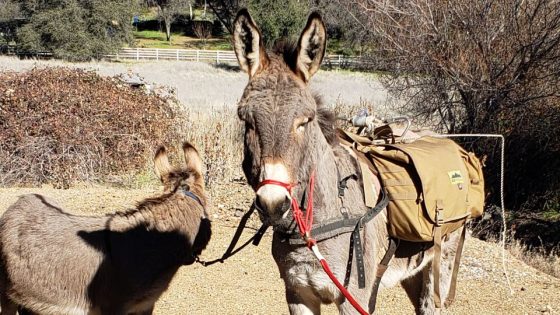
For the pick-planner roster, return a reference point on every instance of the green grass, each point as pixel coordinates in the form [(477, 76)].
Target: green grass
[(151, 35), (156, 39)]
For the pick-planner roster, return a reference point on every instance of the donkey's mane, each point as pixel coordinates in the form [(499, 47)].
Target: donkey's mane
[(327, 121), (288, 50), (153, 201)]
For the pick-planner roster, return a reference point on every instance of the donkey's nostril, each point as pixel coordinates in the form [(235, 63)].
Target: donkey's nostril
[(272, 205), (258, 203)]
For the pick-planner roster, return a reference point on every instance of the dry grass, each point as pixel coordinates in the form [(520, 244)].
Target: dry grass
[(218, 135), (538, 258)]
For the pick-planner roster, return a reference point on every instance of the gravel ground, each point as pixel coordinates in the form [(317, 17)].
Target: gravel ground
[(202, 85), (249, 283)]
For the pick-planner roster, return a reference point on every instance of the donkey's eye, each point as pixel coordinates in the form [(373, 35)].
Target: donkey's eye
[(301, 123)]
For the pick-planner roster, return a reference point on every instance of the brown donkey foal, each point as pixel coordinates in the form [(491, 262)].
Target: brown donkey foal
[(288, 137), (53, 262)]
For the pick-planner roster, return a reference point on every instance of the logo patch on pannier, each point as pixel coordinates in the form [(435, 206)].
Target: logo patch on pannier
[(456, 177)]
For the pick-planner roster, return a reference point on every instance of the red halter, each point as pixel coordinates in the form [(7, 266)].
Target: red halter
[(305, 231), (303, 225)]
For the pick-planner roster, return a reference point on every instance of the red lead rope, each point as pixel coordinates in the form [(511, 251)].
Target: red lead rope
[(305, 231)]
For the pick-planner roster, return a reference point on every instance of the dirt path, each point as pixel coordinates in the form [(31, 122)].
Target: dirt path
[(249, 283)]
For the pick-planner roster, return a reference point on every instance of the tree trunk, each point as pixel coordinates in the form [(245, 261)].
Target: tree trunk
[(168, 29), (190, 10)]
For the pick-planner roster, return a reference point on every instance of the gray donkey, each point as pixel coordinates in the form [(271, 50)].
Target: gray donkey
[(288, 136), (53, 262)]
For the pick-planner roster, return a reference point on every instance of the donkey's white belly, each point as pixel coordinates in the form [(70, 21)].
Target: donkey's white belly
[(395, 274), (61, 309)]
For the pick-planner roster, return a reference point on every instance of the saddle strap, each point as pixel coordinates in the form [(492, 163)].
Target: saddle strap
[(381, 268), (453, 285), (342, 226), (436, 268)]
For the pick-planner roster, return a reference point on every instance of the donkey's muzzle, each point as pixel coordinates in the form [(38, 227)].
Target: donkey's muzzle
[(272, 206)]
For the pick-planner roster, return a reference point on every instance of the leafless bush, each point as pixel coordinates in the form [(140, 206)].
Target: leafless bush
[(202, 29), (218, 134), (479, 66), (60, 126)]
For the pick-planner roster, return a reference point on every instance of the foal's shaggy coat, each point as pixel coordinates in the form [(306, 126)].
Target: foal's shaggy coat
[(287, 136), (53, 262)]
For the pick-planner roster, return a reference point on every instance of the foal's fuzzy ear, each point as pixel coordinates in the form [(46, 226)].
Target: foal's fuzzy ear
[(161, 163), (192, 158), (311, 47), (248, 44)]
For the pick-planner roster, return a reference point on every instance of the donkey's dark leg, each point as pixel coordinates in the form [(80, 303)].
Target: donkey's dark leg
[(24, 311), (420, 287), (302, 302), (420, 290), (147, 312), (8, 307)]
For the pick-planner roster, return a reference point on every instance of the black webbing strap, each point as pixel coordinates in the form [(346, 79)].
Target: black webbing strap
[(231, 250), (342, 226), (331, 229), (358, 250), (343, 182), (381, 268)]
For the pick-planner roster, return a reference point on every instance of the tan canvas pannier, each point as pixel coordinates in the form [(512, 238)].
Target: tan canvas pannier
[(434, 187), (430, 182)]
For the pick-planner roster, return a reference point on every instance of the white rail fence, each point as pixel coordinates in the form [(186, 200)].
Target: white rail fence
[(211, 56), (215, 56)]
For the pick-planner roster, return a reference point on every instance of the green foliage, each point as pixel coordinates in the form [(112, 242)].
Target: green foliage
[(156, 39), (9, 10), (278, 19), (76, 29), (9, 13)]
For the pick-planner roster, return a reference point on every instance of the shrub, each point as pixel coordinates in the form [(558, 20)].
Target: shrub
[(75, 30), (479, 67), (60, 126)]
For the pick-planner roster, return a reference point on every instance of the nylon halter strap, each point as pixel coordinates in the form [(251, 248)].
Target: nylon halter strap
[(305, 226), (191, 195)]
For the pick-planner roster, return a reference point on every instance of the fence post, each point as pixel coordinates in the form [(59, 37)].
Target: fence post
[(177, 52), (137, 53), (117, 55), (217, 57), (157, 54), (197, 55), (340, 61)]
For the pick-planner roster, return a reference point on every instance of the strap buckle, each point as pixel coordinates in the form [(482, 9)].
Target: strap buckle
[(439, 213)]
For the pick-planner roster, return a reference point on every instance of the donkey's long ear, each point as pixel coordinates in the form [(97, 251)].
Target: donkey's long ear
[(311, 47), (192, 158), (161, 163), (248, 44)]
